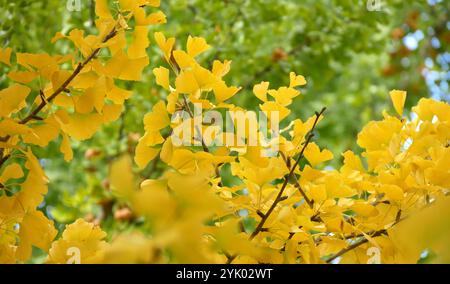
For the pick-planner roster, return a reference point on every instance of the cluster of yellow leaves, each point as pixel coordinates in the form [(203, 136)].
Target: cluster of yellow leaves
[(282, 210), (300, 215), (78, 94)]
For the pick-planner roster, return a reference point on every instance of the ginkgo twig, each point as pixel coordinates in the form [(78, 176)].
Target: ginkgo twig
[(66, 83), (309, 136), (297, 184), (34, 113), (191, 114), (398, 219), (260, 226), (355, 245), (303, 193), (279, 197)]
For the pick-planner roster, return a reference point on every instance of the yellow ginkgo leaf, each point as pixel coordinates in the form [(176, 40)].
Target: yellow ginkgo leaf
[(65, 148), (34, 222), (23, 77), (43, 133), (118, 95), (5, 55), (102, 10), (35, 186), (11, 127), (315, 156), (162, 77), (133, 70), (196, 45), (167, 150), (144, 154), (274, 109), (153, 3), (57, 37), (223, 92), (130, 249), (121, 177), (43, 62), (221, 69), (351, 163), (93, 98), (296, 80), (158, 118), (398, 100), (184, 161), (183, 60), (82, 126), (318, 193), (124, 68), (186, 83), (172, 100), (7, 253), (392, 191), (81, 242), (112, 112), (152, 19), (284, 95), (12, 171), (139, 44), (165, 45), (152, 138), (12, 99), (205, 78), (427, 109), (260, 91), (427, 229)]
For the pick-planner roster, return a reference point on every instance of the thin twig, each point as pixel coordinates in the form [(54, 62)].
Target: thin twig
[(279, 197), (355, 245), (309, 136), (34, 113)]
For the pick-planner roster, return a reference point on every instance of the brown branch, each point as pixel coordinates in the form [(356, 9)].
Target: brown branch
[(398, 219), (204, 146), (355, 245), (297, 184), (191, 114), (279, 197), (3, 159), (34, 113), (66, 83), (280, 193), (309, 136)]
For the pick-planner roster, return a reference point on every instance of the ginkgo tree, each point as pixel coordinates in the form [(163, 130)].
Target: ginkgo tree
[(77, 95), (285, 206)]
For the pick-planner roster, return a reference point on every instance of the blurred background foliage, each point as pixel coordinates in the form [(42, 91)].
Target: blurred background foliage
[(351, 53)]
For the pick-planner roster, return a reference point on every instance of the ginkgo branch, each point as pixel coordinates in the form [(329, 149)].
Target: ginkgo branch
[(66, 83), (355, 245), (297, 184), (204, 146), (309, 136), (191, 114), (280, 193), (398, 219), (279, 197), (34, 113)]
